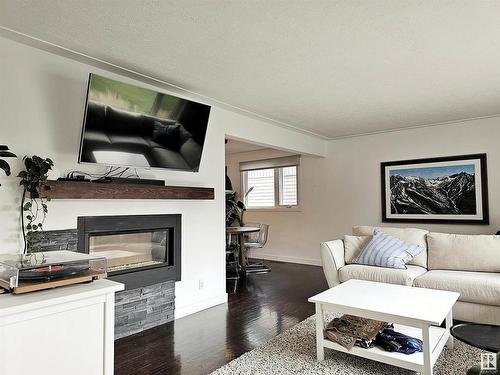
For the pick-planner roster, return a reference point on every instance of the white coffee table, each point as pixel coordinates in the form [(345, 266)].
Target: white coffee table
[(416, 312)]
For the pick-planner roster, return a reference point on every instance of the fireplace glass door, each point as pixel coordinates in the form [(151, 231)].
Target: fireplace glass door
[(128, 250)]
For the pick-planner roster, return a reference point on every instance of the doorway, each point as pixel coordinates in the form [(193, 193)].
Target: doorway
[(261, 183)]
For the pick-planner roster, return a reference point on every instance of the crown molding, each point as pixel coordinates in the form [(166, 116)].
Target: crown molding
[(56, 49), (413, 127)]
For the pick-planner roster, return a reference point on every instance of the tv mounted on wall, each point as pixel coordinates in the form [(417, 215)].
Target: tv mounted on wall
[(131, 126)]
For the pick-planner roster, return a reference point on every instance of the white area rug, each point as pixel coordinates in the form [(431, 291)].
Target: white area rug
[(294, 352)]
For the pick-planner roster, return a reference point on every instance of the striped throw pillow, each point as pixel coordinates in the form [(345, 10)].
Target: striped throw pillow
[(385, 250)]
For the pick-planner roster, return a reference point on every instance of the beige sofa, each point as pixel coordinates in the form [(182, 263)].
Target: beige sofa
[(467, 264)]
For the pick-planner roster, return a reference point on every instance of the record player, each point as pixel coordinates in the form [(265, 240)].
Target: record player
[(22, 273)]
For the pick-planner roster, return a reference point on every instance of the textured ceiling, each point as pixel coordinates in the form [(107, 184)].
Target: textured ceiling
[(335, 68)]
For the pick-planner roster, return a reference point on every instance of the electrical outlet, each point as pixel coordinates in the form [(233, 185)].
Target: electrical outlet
[(201, 284)]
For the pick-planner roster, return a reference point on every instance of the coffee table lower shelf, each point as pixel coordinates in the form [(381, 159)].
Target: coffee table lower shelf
[(438, 339), (416, 312)]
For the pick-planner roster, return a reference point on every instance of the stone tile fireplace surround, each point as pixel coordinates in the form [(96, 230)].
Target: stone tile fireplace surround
[(144, 254)]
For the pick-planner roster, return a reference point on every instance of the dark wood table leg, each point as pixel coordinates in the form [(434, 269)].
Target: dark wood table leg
[(243, 265)]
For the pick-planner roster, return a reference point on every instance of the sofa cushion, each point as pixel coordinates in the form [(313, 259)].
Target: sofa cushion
[(413, 235), (130, 143), (191, 152), (124, 122), (380, 274), (95, 116), (184, 135), (162, 158), (475, 287), (97, 139), (166, 134), (385, 250), (464, 252), (353, 246)]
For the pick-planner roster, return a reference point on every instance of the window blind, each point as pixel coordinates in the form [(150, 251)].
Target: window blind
[(286, 161), (262, 182), (288, 186)]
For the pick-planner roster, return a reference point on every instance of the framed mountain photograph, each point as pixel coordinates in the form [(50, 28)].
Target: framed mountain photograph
[(437, 190)]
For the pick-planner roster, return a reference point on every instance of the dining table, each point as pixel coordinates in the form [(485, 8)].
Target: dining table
[(240, 233)]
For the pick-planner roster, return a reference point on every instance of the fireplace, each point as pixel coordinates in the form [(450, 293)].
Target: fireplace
[(130, 250), (141, 250)]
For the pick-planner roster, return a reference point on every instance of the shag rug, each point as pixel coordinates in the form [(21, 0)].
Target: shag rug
[(294, 352)]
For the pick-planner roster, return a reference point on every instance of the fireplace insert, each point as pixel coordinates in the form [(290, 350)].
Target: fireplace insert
[(140, 250)]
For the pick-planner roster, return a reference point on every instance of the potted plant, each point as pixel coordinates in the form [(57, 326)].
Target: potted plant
[(5, 153), (235, 208), (33, 208)]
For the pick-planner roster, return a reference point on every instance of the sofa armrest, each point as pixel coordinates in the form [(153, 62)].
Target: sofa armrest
[(332, 257)]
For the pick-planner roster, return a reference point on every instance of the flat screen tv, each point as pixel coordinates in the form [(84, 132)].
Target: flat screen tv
[(130, 126)]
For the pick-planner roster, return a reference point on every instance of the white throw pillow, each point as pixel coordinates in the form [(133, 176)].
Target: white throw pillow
[(385, 250), (412, 235), (353, 246)]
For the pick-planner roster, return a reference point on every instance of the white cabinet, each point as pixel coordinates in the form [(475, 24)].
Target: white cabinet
[(67, 330)]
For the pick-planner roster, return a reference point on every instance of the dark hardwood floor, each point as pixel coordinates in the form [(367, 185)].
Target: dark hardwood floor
[(258, 309)]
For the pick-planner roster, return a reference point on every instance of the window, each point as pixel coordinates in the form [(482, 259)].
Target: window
[(272, 187), (262, 184), (288, 186)]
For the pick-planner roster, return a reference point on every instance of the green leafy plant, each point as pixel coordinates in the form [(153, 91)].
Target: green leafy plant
[(235, 208), (5, 153), (33, 208)]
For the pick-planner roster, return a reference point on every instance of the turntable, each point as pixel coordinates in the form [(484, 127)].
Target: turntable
[(22, 273)]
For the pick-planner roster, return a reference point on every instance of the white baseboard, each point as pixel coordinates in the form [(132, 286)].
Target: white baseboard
[(285, 258), (200, 305)]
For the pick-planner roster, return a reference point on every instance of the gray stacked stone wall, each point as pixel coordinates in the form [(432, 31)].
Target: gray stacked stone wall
[(52, 240), (135, 310), (139, 309)]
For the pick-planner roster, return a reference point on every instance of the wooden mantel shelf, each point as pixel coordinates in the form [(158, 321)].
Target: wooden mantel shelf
[(95, 190)]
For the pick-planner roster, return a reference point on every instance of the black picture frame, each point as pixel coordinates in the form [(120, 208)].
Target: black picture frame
[(481, 195)]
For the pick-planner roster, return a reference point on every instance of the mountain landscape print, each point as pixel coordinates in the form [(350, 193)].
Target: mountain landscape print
[(434, 190), (451, 189)]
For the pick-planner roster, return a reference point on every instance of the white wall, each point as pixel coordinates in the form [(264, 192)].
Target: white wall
[(42, 98), (233, 162), (293, 234), (343, 189)]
